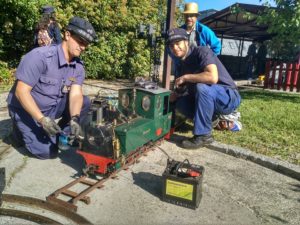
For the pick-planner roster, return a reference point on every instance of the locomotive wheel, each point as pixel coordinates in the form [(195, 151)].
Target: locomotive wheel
[(89, 170)]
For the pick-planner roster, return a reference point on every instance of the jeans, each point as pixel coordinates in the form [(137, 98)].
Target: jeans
[(204, 101)]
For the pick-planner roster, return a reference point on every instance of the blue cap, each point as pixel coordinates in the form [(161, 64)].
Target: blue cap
[(83, 29), (47, 9), (176, 34)]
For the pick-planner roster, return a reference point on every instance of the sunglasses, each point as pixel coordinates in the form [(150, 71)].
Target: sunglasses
[(190, 15)]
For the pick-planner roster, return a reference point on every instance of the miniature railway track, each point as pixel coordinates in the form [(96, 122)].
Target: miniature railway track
[(4, 149), (97, 183), (11, 201)]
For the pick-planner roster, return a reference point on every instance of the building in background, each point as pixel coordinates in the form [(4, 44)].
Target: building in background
[(236, 32)]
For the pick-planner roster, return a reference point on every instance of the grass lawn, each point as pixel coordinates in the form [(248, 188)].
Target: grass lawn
[(271, 125)]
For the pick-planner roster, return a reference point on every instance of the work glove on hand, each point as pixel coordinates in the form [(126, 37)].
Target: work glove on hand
[(75, 127), (49, 125)]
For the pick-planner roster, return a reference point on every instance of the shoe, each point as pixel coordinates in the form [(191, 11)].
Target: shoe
[(15, 137), (197, 141)]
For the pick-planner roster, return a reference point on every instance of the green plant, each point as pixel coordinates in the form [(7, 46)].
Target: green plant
[(6, 76), (270, 125), (118, 54)]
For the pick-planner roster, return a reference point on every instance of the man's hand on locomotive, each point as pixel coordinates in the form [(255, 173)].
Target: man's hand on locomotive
[(49, 125), (180, 88), (179, 82), (75, 127)]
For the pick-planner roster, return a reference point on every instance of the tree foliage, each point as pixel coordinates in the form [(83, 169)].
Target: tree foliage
[(284, 22), (118, 54)]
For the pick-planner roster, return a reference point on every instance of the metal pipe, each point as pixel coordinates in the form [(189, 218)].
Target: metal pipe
[(167, 59)]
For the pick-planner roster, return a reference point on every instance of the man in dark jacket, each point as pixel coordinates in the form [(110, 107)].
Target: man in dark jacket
[(209, 88), (47, 23)]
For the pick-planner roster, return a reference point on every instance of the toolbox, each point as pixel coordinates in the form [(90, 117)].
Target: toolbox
[(182, 183)]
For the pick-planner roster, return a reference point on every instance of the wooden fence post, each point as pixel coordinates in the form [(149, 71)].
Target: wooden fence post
[(273, 74), (288, 73), (279, 81), (267, 74), (298, 77)]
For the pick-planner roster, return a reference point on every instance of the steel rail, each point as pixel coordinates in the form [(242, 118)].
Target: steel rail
[(27, 216), (33, 202), (82, 196)]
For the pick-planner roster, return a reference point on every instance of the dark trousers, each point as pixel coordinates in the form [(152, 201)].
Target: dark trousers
[(35, 138), (204, 101)]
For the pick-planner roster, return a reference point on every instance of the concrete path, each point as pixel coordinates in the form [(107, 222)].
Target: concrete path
[(235, 191)]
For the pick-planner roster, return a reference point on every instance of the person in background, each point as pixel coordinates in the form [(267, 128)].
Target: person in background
[(47, 30), (199, 34), (204, 88), (251, 54), (261, 57), (48, 86)]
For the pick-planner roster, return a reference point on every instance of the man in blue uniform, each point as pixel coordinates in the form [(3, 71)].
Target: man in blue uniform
[(48, 87), (199, 34), (210, 89)]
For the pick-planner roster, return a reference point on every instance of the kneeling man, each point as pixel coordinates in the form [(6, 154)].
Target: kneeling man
[(209, 89)]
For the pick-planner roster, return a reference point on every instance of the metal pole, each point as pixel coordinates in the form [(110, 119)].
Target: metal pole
[(240, 55), (222, 37), (167, 59)]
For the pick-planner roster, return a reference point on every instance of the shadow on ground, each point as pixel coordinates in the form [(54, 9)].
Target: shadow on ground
[(72, 159), (5, 128), (149, 182)]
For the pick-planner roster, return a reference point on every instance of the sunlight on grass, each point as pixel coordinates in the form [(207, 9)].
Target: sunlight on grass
[(271, 125)]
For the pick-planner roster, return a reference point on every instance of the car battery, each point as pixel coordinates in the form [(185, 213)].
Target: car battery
[(182, 183)]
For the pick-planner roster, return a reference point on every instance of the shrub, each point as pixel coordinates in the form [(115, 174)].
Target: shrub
[(118, 54), (6, 75)]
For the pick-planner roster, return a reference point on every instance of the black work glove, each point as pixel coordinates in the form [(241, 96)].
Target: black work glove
[(75, 127), (49, 125)]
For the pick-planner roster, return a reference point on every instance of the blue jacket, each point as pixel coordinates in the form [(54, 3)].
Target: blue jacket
[(206, 37)]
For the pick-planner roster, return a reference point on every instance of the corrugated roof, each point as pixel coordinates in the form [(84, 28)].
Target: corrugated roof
[(237, 25)]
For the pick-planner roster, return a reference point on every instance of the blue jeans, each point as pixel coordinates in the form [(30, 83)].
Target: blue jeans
[(204, 101), (35, 138)]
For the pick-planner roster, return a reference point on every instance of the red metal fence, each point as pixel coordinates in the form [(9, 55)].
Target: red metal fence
[(282, 76)]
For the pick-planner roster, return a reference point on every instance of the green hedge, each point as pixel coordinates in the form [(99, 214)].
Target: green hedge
[(118, 54)]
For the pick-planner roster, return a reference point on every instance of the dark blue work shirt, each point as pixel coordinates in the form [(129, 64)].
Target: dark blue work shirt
[(46, 70), (200, 57)]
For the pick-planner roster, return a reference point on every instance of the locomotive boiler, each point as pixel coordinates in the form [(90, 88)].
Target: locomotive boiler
[(113, 135)]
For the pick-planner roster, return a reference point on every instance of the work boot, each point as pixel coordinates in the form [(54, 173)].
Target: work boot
[(15, 138), (197, 141)]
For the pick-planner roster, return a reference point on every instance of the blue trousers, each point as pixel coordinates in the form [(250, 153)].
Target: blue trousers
[(35, 138), (204, 101)]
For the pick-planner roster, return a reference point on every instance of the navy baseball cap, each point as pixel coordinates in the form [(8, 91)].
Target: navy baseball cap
[(47, 9), (176, 34), (82, 29)]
